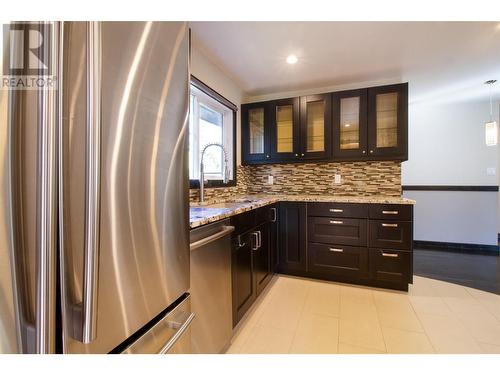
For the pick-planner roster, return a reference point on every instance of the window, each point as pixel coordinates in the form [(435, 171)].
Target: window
[(212, 119)]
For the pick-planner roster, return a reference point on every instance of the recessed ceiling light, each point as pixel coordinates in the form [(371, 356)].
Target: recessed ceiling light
[(292, 59), (347, 125)]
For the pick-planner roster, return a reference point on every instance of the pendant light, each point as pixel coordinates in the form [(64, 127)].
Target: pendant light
[(491, 127)]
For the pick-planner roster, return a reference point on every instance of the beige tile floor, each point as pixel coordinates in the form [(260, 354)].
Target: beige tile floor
[(296, 315)]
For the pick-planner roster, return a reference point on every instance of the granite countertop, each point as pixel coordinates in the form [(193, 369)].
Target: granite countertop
[(218, 210)]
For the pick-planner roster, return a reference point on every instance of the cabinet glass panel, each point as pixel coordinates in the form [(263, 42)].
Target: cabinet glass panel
[(387, 120), (349, 123), (256, 122), (284, 128), (315, 126)]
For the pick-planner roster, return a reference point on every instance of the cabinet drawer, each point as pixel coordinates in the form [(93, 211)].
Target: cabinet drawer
[(338, 231), (403, 212), (390, 265), (354, 210), (390, 234), (338, 260), (266, 214), (243, 222)]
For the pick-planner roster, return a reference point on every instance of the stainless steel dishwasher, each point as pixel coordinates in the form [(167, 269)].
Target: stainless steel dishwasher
[(211, 287)]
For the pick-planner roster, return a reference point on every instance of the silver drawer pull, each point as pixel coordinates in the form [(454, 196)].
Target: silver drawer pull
[(336, 222), (336, 210), (389, 225), (390, 255), (390, 212), (336, 250)]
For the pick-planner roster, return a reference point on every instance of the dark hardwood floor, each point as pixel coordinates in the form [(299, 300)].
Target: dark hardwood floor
[(475, 271)]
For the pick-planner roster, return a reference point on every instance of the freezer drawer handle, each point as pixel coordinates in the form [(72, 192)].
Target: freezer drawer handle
[(389, 225), (177, 335), (389, 255), (390, 212), (336, 222), (336, 210), (214, 237)]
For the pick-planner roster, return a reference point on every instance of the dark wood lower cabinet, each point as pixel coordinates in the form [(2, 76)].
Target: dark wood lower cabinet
[(254, 256), (365, 244), (261, 255), (243, 285), (293, 237), (338, 260), (393, 266)]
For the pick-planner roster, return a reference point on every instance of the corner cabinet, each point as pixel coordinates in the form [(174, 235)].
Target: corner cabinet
[(355, 125), (255, 132)]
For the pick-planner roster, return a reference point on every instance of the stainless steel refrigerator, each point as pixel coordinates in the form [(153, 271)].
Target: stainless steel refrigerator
[(94, 237)]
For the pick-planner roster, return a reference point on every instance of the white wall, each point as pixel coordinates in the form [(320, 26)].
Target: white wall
[(209, 73), (447, 147)]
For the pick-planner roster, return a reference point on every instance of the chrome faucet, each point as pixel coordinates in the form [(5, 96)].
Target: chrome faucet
[(225, 175)]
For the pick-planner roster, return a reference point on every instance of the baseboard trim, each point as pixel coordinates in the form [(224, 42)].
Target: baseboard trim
[(457, 247)]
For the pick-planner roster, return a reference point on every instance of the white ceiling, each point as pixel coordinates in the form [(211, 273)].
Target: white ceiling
[(440, 60)]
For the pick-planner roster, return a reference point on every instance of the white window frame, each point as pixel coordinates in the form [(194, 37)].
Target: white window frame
[(202, 98)]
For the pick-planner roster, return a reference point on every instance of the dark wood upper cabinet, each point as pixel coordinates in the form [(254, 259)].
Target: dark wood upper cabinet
[(388, 122), (285, 129), (316, 127), (350, 133), (355, 125), (255, 132)]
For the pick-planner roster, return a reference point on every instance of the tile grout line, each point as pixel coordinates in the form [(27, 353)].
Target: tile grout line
[(298, 320), (378, 320)]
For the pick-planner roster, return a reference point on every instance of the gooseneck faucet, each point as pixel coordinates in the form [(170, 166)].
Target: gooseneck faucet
[(225, 175)]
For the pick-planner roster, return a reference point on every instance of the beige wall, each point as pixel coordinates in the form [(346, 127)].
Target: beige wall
[(209, 73)]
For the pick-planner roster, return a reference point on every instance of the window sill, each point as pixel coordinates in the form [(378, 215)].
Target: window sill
[(195, 184)]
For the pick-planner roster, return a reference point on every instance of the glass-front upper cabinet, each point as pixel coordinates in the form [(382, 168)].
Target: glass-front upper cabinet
[(284, 129), (388, 121), (255, 128), (349, 124), (315, 127)]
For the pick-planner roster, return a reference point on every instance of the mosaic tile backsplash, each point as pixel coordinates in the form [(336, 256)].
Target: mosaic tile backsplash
[(358, 179)]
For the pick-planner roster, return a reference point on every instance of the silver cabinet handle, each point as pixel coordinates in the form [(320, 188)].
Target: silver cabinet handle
[(239, 242), (260, 238), (336, 222), (336, 210), (389, 255), (275, 214), (226, 229), (390, 212), (93, 173), (177, 334), (389, 225), (255, 243), (336, 250)]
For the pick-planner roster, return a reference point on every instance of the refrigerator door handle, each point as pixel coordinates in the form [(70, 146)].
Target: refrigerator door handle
[(165, 349), (45, 262), (93, 184)]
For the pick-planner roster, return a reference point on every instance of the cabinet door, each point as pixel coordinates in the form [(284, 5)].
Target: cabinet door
[(243, 285), (255, 130), (293, 237), (315, 127), (388, 122), (262, 258), (349, 124), (285, 129), (274, 238)]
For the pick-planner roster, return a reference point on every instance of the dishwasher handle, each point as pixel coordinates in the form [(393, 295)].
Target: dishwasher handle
[(226, 229)]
